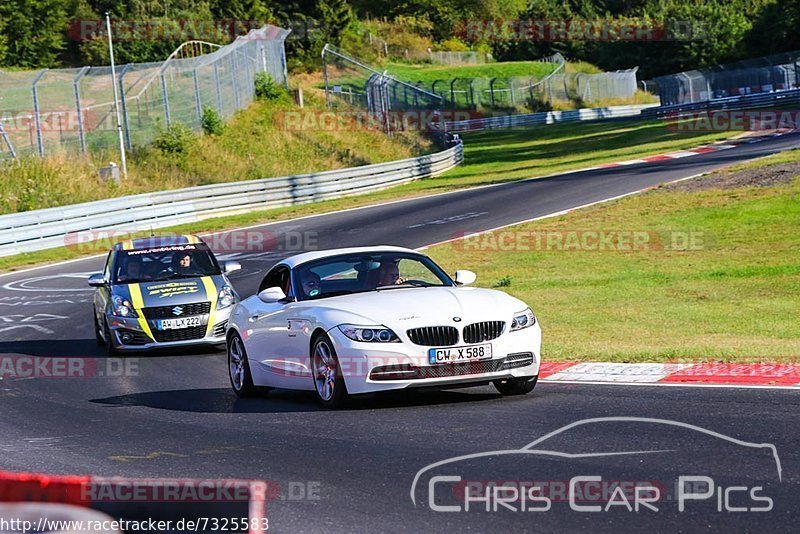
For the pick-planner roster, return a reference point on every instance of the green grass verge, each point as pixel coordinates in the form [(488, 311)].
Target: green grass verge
[(732, 297), (501, 155), (428, 73), (490, 157)]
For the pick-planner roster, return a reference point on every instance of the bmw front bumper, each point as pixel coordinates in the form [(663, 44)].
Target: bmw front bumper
[(372, 367)]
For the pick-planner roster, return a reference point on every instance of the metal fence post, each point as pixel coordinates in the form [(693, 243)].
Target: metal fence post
[(383, 87), (76, 90), (165, 94), (219, 90), (472, 92), (36, 115), (283, 62), (198, 105), (124, 106), (262, 54), (233, 79), (530, 91), (325, 77), (10, 146)]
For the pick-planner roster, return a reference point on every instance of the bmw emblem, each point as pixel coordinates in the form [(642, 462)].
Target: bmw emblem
[(177, 310), (457, 319)]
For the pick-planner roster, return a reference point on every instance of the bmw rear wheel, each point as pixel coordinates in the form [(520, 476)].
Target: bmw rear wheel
[(239, 368), (326, 372)]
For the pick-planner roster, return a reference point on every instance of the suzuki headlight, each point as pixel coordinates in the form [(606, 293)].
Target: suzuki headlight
[(121, 307), (227, 297), (523, 319), (369, 334)]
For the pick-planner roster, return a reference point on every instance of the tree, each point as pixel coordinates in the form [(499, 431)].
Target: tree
[(245, 10), (34, 31), (3, 41), (336, 16), (775, 28)]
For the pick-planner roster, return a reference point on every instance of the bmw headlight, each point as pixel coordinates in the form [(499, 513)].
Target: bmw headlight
[(227, 297), (523, 319), (121, 307), (369, 334)]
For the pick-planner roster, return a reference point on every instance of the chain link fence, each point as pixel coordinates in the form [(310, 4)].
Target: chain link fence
[(530, 92), (762, 75), (620, 84), (72, 110), (459, 58), (353, 85)]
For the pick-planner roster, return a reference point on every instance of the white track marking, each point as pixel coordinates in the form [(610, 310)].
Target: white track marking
[(24, 284)]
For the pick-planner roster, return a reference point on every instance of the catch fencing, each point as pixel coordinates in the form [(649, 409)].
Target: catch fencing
[(50, 228), (520, 92), (52, 110), (351, 84), (780, 99), (770, 74), (459, 58), (350, 81)]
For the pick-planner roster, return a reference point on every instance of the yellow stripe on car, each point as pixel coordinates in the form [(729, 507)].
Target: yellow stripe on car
[(211, 294), (127, 245), (138, 305), (192, 239)]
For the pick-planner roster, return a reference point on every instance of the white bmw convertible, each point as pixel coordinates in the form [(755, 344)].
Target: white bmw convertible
[(362, 320)]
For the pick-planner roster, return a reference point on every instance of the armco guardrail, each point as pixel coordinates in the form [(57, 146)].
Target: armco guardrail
[(546, 117), (743, 102), (50, 228)]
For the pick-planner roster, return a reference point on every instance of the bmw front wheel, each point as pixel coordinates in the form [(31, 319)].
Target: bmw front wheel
[(516, 386), (326, 372)]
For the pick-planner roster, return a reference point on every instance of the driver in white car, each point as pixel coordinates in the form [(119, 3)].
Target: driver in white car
[(389, 274), (311, 284)]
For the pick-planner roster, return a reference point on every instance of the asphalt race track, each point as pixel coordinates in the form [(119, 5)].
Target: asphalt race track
[(173, 415)]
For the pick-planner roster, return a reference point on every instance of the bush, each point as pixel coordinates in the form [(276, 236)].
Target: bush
[(174, 140), (503, 282), (453, 44), (211, 122), (266, 88)]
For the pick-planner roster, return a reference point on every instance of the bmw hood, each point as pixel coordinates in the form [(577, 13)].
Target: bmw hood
[(430, 306)]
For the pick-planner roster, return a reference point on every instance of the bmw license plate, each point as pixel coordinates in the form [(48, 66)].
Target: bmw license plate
[(468, 353), (181, 322)]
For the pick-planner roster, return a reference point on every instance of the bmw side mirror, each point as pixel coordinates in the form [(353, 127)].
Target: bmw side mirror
[(97, 280), (230, 266), (465, 278), (271, 295)]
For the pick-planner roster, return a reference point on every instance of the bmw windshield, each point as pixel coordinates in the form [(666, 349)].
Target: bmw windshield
[(359, 273), (164, 263)]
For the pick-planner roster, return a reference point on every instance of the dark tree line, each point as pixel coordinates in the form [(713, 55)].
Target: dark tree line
[(49, 33)]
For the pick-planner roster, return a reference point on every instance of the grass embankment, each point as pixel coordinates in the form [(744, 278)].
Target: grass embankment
[(428, 73), (490, 157), (730, 294), (253, 145)]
